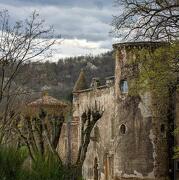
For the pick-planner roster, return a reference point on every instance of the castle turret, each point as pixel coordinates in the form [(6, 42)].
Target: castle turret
[(81, 82)]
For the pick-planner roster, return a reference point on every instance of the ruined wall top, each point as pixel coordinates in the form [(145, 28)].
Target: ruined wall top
[(96, 84), (140, 44)]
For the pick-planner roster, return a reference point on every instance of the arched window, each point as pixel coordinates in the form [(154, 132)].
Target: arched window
[(123, 129), (124, 86)]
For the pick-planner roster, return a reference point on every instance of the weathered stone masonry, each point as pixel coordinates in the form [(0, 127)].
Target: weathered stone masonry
[(127, 142)]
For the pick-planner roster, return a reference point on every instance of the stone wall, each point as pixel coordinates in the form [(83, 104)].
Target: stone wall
[(177, 134), (133, 147), (68, 142), (100, 144), (141, 152), (128, 142)]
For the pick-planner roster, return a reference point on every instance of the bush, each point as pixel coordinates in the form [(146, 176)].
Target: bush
[(11, 163), (44, 168), (14, 166)]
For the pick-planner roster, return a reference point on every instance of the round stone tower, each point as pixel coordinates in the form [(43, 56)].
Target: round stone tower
[(141, 149)]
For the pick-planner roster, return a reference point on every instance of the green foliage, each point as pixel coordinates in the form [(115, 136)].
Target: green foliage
[(13, 166), (159, 75), (44, 168), (48, 167), (11, 162), (176, 152), (176, 148), (158, 69)]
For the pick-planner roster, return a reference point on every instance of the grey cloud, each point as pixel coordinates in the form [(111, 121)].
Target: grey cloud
[(90, 21), (70, 3), (90, 24)]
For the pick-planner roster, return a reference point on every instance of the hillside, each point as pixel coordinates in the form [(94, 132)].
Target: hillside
[(59, 78)]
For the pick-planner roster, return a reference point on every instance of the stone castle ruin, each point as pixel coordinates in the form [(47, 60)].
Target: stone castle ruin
[(128, 142)]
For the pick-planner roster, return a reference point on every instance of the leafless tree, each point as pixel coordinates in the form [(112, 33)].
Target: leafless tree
[(37, 133), (40, 133), (147, 19), (89, 119), (20, 43)]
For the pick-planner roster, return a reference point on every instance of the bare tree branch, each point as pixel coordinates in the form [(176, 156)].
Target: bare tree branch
[(19, 43), (147, 19)]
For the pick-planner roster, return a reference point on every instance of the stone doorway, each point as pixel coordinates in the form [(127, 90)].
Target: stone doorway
[(96, 169), (109, 167), (106, 167)]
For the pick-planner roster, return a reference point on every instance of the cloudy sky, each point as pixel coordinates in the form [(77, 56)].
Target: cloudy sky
[(83, 24)]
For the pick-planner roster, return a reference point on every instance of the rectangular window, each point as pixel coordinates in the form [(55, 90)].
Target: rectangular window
[(124, 86)]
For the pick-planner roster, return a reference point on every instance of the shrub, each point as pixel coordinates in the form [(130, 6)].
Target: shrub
[(11, 163)]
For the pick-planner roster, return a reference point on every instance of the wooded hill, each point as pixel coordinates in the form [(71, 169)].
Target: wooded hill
[(59, 78)]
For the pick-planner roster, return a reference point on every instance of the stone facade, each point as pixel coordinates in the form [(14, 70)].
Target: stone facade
[(129, 141), (101, 139), (68, 141), (177, 136)]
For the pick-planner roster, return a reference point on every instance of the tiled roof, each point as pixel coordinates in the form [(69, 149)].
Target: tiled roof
[(47, 100)]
